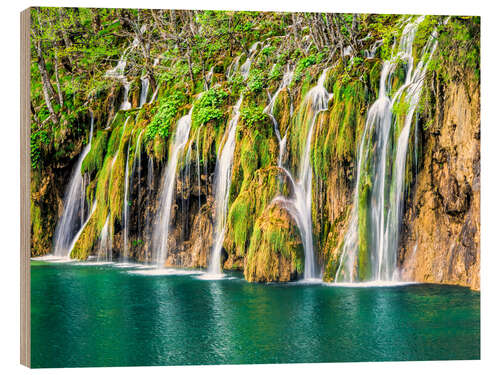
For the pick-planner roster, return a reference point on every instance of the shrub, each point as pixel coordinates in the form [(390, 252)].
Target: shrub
[(164, 115), (209, 107)]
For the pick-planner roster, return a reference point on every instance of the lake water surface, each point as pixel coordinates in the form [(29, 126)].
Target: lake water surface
[(103, 315)]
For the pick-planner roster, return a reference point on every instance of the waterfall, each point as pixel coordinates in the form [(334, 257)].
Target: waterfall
[(149, 194), (126, 208), (232, 67), (118, 72), (223, 173), (162, 226), (104, 251), (126, 103), (285, 82), (245, 68), (144, 91), (75, 239), (137, 165), (198, 167), (299, 206), (153, 97), (378, 193), (74, 206), (208, 78)]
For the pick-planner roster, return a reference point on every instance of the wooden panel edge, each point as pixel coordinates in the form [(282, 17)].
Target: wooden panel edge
[(25, 240)]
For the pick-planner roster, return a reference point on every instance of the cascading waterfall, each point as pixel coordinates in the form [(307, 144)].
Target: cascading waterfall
[(285, 82), (232, 68), (198, 167), (379, 189), (75, 239), (104, 251), (137, 165), (245, 68), (162, 226), (118, 72), (74, 207), (126, 103), (223, 172), (208, 78), (299, 206), (144, 91), (125, 208), (150, 186)]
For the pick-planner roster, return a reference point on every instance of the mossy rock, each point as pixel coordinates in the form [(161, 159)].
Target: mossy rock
[(276, 253), (94, 159), (266, 184)]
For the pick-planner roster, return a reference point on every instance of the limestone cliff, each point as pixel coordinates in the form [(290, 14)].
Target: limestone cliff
[(441, 242)]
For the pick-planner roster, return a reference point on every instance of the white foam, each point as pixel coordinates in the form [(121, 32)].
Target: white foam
[(92, 263), (164, 272), (125, 265), (53, 259), (371, 284), (212, 276), (310, 281)]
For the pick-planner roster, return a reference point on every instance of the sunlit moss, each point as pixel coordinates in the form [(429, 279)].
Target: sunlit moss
[(275, 252)]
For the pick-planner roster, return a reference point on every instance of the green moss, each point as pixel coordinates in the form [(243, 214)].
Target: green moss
[(94, 159), (251, 201), (364, 262), (275, 252)]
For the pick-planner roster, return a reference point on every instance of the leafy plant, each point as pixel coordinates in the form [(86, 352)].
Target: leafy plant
[(209, 107), (256, 81), (37, 140), (253, 115), (166, 112)]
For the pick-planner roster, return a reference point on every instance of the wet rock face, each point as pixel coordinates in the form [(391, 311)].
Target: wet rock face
[(191, 236), (48, 187), (441, 229)]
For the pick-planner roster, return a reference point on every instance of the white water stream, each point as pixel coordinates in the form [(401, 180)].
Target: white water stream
[(223, 173), (299, 206), (384, 165), (162, 226), (74, 204)]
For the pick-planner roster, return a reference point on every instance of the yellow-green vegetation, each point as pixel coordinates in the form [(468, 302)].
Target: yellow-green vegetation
[(210, 107), (275, 252), (164, 114), (94, 159), (266, 184)]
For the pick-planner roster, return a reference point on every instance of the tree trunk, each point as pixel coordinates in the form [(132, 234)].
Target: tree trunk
[(48, 91), (67, 42), (190, 69), (58, 84)]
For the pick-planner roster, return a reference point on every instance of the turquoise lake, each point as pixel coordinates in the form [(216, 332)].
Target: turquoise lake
[(102, 315)]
